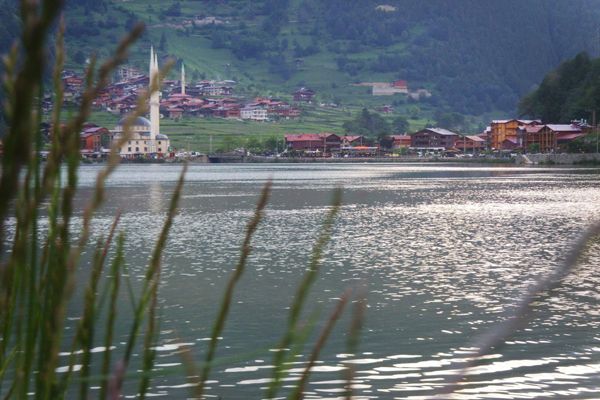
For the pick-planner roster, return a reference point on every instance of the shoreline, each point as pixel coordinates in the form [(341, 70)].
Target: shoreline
[(591, 159)]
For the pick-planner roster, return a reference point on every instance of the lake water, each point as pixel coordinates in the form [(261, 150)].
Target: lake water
[(443, 251)]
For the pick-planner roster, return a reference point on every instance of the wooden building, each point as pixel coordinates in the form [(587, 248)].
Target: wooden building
[(304, 95), (501, 130), (433, 139), (313, 142), (471, 144), (93, 139), (548, 138), (400, 141), (353, 141)]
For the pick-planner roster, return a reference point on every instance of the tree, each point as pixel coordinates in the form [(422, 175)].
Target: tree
[(534, 148), (367, 124), (451, 121), (400, 124)]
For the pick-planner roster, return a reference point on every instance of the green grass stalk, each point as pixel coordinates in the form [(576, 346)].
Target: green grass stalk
[(229, 290), (335, 315), (149, 293), (301, 295), (115, 281)]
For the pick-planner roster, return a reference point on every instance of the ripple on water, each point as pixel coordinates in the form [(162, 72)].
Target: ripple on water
[(442, 250)]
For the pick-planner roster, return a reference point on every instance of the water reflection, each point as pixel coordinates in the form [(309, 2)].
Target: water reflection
[(444, 250)]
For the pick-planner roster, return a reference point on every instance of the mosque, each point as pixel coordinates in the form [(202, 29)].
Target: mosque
[(146, 139)]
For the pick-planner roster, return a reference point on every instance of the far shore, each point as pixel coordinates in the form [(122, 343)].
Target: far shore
[(527, 159)]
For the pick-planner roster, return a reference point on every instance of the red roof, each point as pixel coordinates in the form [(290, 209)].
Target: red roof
[(352, 138), (400, 137), (301, 137), (564, 128), (533, 128), (570, 136), (475, 138)]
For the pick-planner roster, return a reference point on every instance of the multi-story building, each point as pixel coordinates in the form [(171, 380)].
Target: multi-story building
[(438, 139), (313, 142), (504, 133)]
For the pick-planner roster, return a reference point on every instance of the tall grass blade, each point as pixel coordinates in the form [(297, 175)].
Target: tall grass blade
[(301, 295), (333, 318), (496, 336), (149, 292), (115, 281), (229, 290)]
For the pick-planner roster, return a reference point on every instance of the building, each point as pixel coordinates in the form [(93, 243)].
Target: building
[(353, 141), (507, 132), (437, 139), (547, 138), (313, 142), (94, 139), (389, 89), (472, 144), (304, 95), (254, 113), (144, 137), (400, 141), (127, 72)]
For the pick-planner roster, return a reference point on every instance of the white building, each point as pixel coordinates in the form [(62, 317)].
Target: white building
[(254, 113), (145, 139)]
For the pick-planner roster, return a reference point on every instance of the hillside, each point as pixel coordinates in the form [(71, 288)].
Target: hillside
[(571, 91), (474, 56)]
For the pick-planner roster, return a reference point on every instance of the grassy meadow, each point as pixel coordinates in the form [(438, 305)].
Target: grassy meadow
[(206, 134)]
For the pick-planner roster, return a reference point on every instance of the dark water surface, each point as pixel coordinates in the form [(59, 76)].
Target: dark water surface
[(443, 250)]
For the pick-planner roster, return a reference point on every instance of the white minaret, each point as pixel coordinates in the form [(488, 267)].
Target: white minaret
[(182, 79), (154, 97)]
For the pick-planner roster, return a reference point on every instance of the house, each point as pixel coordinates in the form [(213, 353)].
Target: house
[(500, 130), (564, 137), (386, 109), (175, 112), (253, 113), (389, 89), (510, 144), (400, 141), (304, 94), (433, 139), (313, 142), (353, 141), (94, 139), (127, 72), (470, 143), (548, 137)]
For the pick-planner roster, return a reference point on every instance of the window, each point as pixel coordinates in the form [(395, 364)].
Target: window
[(159, 150), (129, 142), (145, 149), (137, 149), (159, 142), (136, 142), (129, 149)]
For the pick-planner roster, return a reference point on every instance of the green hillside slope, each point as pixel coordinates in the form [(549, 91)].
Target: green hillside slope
[(475, 56), (572, 91)]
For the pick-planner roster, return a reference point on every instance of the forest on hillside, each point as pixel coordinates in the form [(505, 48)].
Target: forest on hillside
[(475, 56), (572, 91)]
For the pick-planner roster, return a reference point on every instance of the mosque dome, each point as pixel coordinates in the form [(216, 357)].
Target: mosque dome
[(139, 121)]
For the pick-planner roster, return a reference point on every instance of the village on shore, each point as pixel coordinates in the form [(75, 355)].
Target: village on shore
[(176, 99)]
